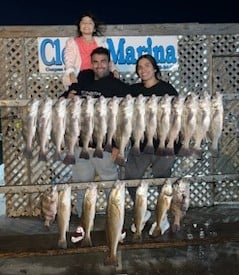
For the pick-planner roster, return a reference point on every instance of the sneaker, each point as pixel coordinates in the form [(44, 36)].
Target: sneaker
[(78, 235), (146, 218)]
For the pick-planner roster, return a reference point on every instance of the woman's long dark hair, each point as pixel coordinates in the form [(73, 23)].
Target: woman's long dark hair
[(99, 28), (152, 60)]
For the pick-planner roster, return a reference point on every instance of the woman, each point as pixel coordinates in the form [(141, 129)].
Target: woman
[(150, 83), (78, 49)]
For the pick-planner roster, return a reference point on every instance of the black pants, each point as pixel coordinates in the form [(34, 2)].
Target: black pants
[(137, 165)]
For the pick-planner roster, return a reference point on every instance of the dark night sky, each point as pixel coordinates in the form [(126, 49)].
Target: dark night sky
[(26, 12)]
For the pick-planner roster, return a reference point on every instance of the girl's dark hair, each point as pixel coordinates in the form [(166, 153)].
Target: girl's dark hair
[(99, 28), (152, 60)]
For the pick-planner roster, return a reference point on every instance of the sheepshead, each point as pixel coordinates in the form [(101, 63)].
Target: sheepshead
[(124, 127), (180, 202), (44, 126), (58, 125), (138, 128), (203, 122), (151, 123), (140, 208), (73, 128), (163, 205), (63, 214), (189, 123), (30, 125), (163, 123), (175, 123), (49, 203), (216, 124), (112, 116), (87, 125), (88, 215), (100, 125), (114, 221)]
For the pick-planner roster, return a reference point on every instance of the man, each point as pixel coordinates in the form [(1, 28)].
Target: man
[(95, 82)]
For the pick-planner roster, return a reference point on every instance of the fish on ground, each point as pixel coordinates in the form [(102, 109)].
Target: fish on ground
[(49, 204), (59, 125), (180, 203), (163, 123), (138, 124), (163, 205), (151, 123), (124, 127), (44, 127), (88, 212), (100, 125), (112, 117), (30, 125), (87, 125), (63, 215), (73, 128), (216, 124), (175, 123), (114, 221), (140, 208)]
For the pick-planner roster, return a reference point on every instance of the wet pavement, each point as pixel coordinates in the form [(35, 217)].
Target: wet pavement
[(208, 243)]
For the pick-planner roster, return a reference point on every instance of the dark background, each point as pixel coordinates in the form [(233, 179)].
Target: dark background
[(53, 12)]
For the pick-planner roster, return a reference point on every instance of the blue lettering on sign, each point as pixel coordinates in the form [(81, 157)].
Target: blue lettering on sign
[(57, 58), (128, 55)]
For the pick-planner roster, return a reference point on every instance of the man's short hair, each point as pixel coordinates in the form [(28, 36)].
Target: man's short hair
[(101, 50)]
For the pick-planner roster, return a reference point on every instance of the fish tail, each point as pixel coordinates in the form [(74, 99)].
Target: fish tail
[(62, 244), (27, 152), (108, 148), (135, 151), (98, 153), (111, 260), (149, 149), (84, 154), (69, 159), (120, 160), (57, 156), (42, 156), (86, 242)]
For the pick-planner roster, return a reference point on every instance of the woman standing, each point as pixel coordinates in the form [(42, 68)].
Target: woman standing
[(78, 49)]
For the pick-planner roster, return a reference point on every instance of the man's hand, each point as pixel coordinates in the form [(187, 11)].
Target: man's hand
[(115, 153), (71, 94), (73, 78)]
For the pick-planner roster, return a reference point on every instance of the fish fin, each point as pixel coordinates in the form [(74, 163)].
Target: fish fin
[(98, 153), (69, 159)]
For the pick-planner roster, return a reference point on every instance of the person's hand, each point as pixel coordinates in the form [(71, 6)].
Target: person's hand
[(73, 78), (116, 74), (71, 94), (115, 153)]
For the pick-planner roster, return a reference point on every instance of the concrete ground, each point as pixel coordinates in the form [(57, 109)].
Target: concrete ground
[(207, 244)]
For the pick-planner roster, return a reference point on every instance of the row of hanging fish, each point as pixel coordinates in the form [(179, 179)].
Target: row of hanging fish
[(191, 119), (56, 205)]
